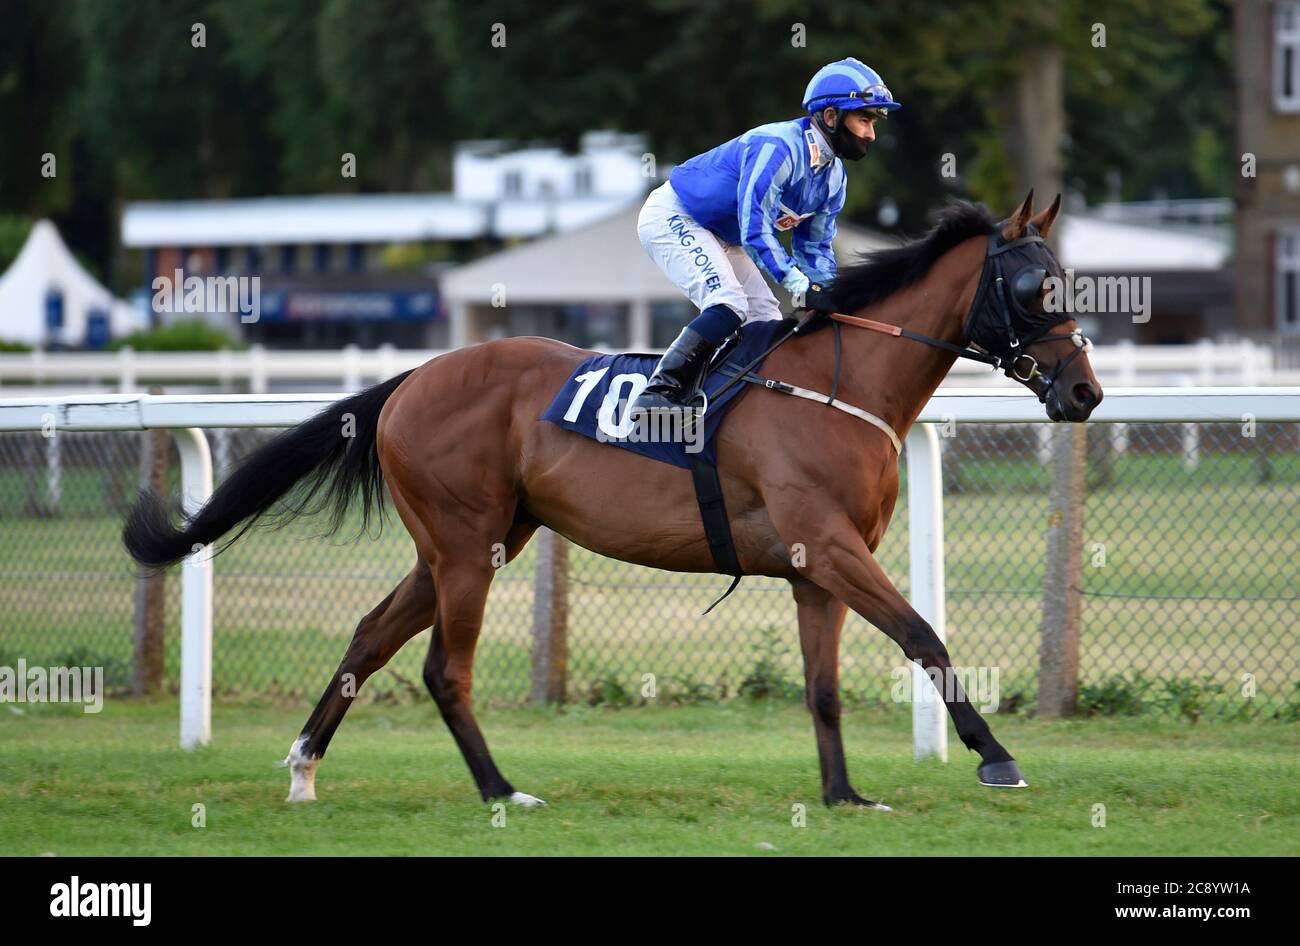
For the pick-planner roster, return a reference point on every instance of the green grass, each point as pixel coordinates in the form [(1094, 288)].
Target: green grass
[(714, 780)]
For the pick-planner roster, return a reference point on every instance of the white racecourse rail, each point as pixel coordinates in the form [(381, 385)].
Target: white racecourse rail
[(257, 369), (186, 415)]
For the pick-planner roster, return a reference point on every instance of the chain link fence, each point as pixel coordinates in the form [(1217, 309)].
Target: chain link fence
[(1190, 583)]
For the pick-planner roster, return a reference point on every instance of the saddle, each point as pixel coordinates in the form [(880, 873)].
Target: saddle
[(589, 404)]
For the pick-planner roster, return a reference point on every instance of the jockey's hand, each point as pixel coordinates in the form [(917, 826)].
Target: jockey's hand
[(818, 298), (796, 283)]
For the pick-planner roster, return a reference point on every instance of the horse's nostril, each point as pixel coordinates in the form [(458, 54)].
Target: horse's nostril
[(1084, 395)]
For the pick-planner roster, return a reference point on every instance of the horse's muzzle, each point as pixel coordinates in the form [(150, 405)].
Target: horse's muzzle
[(1077, 404)]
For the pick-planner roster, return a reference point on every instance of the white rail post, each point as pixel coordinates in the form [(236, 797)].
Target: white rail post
[(54, 470), (351, 368), (925, 522), (1191, 440), (196, 596)]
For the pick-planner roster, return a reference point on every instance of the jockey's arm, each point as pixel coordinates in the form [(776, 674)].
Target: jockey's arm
[(812, 239), (765, 169)]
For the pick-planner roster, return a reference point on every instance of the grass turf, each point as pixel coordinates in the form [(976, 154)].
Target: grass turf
[(701, 780)]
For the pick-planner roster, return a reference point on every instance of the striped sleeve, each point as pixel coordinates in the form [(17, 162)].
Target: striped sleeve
[(765, 168), (812, 239)]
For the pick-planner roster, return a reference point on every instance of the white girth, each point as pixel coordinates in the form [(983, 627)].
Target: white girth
[(784, 387)]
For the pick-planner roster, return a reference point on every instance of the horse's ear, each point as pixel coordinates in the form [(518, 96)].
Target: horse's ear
[(1014, 228), (1044, 220)]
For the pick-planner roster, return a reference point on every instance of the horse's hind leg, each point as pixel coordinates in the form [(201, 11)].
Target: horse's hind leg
[(408, 609), (449, 670)]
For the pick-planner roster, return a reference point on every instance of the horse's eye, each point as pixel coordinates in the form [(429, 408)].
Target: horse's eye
[(1027, 284)]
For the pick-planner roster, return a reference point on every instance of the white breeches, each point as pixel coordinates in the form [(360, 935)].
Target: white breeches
[(708, 270)]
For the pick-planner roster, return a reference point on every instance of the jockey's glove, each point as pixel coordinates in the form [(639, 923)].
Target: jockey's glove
[(797, 284), (818, 298)]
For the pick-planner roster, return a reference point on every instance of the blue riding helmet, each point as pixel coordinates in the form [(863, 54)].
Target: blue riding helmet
[(848, 84)]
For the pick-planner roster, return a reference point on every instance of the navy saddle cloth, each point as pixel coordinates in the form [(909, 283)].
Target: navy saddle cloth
[(594, 400)]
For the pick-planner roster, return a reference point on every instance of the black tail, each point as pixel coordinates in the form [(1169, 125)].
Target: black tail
[(323, 462)]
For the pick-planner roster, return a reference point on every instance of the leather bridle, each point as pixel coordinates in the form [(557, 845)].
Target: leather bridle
[(1000, 326)]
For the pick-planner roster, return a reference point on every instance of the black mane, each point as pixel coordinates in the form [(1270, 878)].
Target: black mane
[(882, 273)]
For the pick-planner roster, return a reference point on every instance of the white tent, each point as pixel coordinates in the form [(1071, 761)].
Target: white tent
[(45, 265)]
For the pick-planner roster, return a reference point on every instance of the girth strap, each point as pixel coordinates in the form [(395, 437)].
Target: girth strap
[(781, 387), (717, 527)]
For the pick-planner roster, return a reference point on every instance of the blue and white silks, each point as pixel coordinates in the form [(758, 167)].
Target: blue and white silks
[(779, 176)]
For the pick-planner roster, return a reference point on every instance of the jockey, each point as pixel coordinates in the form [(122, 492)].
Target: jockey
[(712, 226)]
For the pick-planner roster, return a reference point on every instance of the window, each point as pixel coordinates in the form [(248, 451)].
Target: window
[(582, 181), (514, 183), (54, 311), (1286, 56), (1288, 281), (97, 329)]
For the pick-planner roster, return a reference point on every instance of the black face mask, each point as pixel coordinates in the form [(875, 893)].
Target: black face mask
[(1004, 319), (846, 144)]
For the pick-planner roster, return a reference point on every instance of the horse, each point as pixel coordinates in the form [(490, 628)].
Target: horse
[(457, 445)]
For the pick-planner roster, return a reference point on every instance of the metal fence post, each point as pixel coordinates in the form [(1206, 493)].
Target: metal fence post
[(1058, 669), (196, 596), (550, 619), (150, 631), (925, 519)]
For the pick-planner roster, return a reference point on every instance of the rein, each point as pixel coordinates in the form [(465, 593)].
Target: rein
[(899, 332), (1016, 363), (993, 293)]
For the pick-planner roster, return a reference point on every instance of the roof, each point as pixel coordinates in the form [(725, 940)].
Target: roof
[(602, 262), (351, 218), (1090, 244)]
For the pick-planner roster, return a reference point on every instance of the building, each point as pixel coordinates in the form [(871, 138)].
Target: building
[(1181, 266), (363, 269), (594, 287), (1267, 263)]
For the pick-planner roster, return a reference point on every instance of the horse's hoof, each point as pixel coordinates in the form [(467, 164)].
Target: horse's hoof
[(525, 800), (857, 801), (1002, 775), (302, 772)]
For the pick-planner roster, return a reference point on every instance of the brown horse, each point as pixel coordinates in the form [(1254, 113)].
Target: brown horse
[(469, 467)]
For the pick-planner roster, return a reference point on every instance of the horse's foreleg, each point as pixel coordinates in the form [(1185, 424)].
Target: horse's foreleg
[(408, 609), (821, 617), (844, 566)]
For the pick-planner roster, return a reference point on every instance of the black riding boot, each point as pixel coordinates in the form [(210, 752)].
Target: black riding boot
[(677, 377)]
